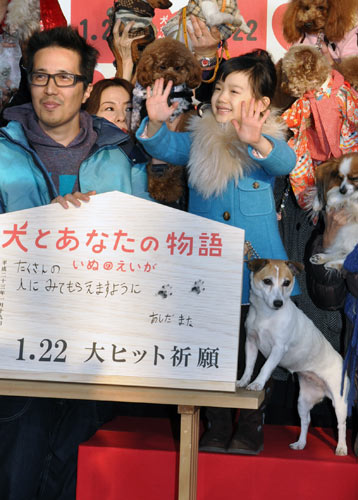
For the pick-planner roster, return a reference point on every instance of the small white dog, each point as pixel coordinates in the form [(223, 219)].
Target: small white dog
[(288, 338)]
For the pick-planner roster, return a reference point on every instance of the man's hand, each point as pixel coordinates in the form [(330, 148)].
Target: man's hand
[(74, 198)]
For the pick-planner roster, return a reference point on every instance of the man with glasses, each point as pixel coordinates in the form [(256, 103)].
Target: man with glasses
[(51, 150)]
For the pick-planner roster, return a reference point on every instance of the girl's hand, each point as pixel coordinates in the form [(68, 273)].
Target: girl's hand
[(250, 128), (157, 105), (334, 220)]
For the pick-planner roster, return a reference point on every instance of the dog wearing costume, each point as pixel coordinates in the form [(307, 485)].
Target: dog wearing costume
[(323, 118), (332, 23)]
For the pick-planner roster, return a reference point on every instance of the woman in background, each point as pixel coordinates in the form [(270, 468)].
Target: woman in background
[(112, 99)]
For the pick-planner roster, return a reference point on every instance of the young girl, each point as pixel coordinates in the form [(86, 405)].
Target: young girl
[(233, 154)]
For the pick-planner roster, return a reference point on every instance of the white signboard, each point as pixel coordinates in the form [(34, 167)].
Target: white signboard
[(119, 291)]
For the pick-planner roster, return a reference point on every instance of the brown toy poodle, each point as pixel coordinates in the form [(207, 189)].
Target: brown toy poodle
[(169, 59), (332, 17), (329, 25), (303, 69)]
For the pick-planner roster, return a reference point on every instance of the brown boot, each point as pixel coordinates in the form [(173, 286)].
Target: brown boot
[(217, 436), (248, 439)]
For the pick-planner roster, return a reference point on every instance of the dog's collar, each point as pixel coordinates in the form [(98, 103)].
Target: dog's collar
[(321, 37), (185, 93)]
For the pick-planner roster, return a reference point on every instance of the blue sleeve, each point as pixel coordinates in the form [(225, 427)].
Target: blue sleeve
[(280, 161), (165, 145), (140, 180)]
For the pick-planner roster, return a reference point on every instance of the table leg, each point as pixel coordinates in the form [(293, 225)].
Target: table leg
[(189, 443)]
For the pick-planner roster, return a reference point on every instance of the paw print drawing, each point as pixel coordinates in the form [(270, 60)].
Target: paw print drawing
[(198, 287), (165, 291)]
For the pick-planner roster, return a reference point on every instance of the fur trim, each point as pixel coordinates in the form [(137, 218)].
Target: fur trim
[(23, 18), (218, 156)]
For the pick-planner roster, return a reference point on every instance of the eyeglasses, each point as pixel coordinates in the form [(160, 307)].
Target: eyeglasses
[(61, 79)]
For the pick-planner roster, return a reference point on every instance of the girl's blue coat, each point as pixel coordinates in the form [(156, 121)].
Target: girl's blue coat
[(250, 203)]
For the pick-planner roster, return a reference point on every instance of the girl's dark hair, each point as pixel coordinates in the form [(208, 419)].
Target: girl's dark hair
[(65, 37), (93, 102), (260, 69)]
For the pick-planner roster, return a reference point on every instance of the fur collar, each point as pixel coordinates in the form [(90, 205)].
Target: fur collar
[(218, 156)]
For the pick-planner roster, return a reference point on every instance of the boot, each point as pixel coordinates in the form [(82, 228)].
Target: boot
[(219, 430), (248, 439)]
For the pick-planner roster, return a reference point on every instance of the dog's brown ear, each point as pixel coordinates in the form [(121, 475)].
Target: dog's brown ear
[(324, 174), (290, 29), (145, 67), (325, 169), (194, 73), (338, 19), (295, 267), (256, 265)]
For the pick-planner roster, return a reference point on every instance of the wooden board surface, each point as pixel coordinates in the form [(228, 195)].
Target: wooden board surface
[(120, 291)]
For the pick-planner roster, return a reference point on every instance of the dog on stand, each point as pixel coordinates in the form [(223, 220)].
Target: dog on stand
[(246, 436), (288, 338)]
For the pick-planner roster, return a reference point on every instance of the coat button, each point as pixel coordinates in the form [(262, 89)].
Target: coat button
[(226, 215), (256, 185)]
